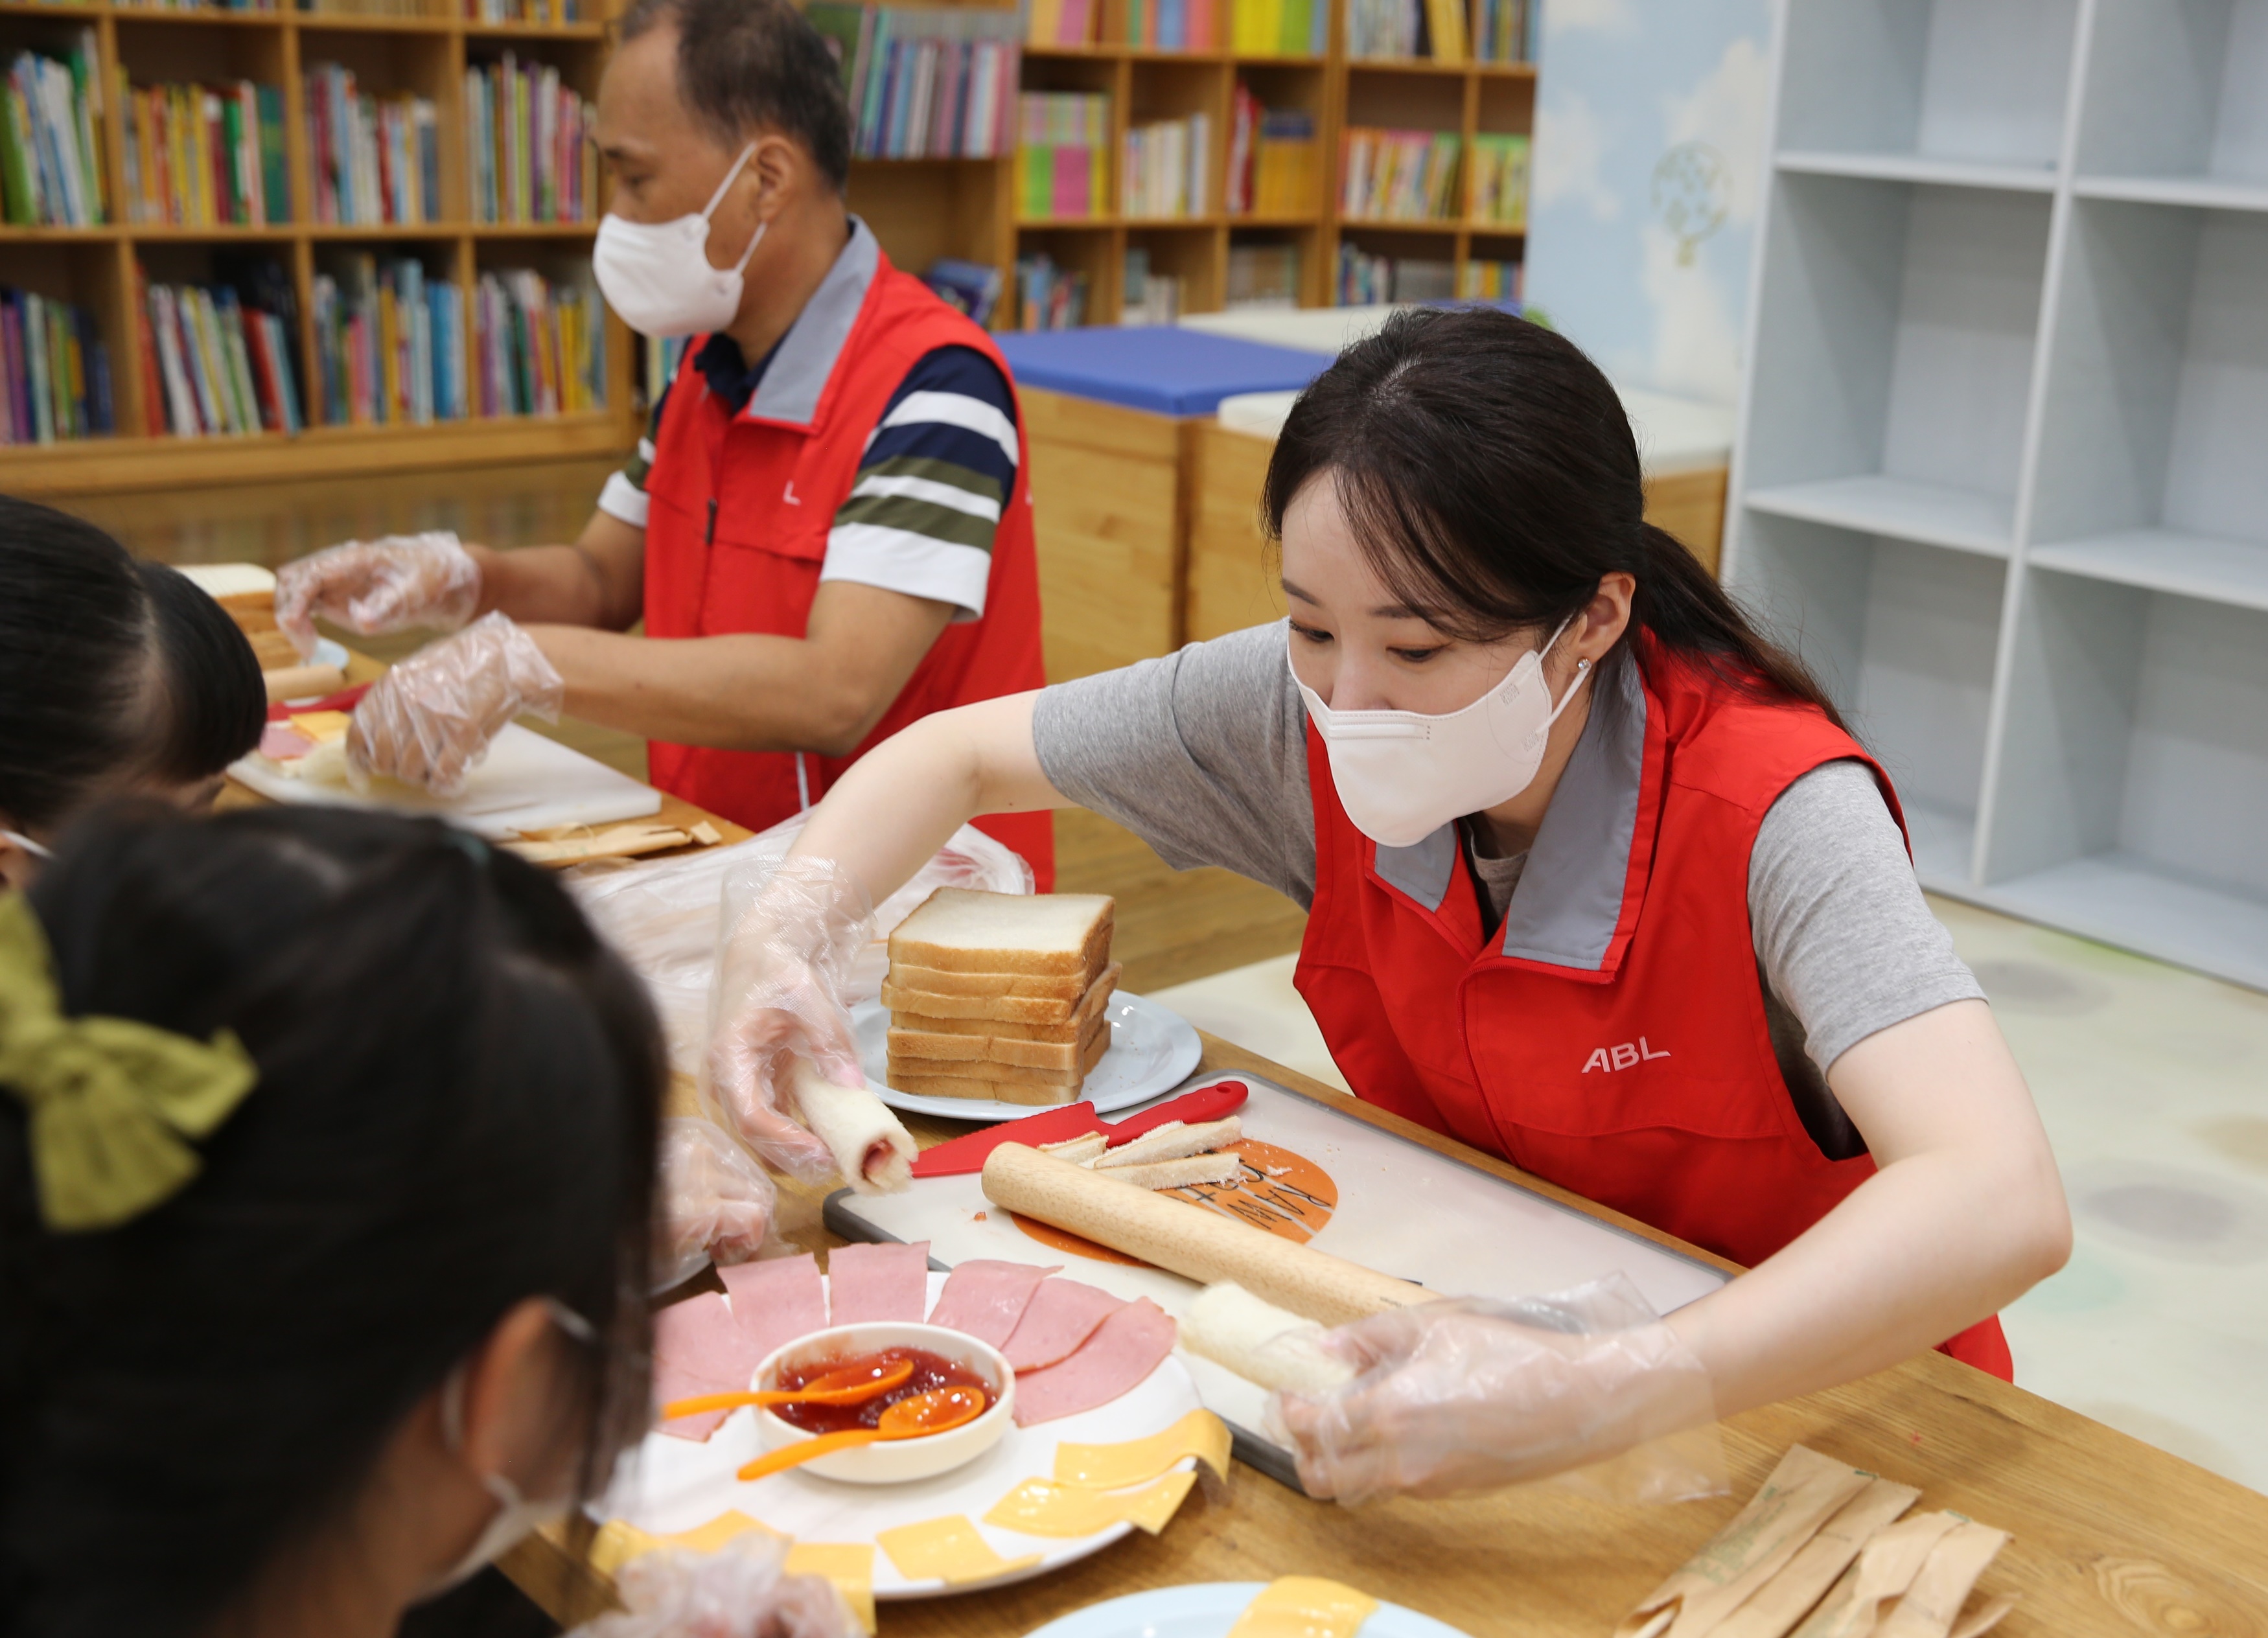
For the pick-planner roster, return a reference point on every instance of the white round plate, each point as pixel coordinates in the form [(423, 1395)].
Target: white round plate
[(1152, 1050), (1208, 1610), (666, 1484)]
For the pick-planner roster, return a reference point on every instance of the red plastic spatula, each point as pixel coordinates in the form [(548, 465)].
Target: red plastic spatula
[(964, 1155)]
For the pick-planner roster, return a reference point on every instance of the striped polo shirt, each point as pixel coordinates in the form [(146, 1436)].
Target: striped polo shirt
[(937, 468)]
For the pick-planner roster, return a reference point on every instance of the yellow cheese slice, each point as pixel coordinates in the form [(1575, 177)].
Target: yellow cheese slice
[(1304, 1606), (619, 1541), (1200, 1434), (1041, 1507), (948, 1550), (322, 727), (848, 1565)]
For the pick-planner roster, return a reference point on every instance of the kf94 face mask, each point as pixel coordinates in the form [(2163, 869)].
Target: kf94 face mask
[(1401, 776), (657, 276)]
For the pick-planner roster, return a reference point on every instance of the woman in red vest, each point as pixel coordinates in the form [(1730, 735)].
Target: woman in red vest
[(828, 525), (1598, 881)]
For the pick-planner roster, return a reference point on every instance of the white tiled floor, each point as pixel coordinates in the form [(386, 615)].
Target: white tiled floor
[(2154, 1083)]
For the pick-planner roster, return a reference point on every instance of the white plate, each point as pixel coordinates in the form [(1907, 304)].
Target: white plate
[(1152, 1050), (668, 1485), (1208, 1610)]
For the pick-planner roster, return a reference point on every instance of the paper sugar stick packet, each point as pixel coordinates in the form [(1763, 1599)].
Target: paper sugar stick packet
[(1887, 1567), (1931, 1607), (1774, 1608), (1803, 1492)]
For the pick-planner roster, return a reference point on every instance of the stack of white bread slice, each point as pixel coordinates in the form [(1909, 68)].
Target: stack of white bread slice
[(1000, 995)]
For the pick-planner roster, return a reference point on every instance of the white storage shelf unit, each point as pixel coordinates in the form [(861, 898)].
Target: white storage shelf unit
[(2004, 471)]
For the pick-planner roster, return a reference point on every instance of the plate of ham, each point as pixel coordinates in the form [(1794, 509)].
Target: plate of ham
[(1092, 1369)]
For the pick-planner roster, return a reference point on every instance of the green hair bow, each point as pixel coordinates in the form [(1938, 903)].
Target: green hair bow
[(112, 1101)]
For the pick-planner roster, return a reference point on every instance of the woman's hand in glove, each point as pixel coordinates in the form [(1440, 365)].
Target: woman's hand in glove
[(781, 977), (374, 586), (1453, 1397), (429, 720)]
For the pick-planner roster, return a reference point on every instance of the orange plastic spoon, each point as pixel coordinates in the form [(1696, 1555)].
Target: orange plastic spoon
[(847, 1386), (933, 1412)]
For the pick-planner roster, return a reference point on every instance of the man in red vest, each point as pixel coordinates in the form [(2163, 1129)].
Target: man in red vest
[(827, 525)]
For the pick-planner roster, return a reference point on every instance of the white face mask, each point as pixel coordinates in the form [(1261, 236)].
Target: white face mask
[(657, 277), (516, 1517), (1401, 776)]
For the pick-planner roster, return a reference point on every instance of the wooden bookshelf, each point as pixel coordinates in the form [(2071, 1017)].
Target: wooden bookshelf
[(426, 52), (1145, 85)]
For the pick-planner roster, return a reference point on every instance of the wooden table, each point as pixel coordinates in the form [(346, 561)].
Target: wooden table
[(2111, 1536)]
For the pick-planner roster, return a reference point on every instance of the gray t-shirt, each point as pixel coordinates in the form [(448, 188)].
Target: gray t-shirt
[(1204, 754)]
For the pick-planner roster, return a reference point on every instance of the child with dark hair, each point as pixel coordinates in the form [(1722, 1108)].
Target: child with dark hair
[(327, 1171), (116, 677)]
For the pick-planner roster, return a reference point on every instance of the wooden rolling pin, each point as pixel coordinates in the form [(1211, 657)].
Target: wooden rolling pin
[(303, 682), (1189, 1240)]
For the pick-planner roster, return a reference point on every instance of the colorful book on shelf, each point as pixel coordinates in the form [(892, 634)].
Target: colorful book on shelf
[(537, 348), (553, 12), (205, 156), (971, 287), (1485, 280), (1047, 296), (1365, 279), (1397, 175), (54, 371), (1501, 31), (1263, 276), (374, 160), (1061, 168), (1064, 22), (51, 164), (1445, 22), (935, 82), (217, 361), (526, 143), (1163, 167), (1496, 193), (1390, 28)]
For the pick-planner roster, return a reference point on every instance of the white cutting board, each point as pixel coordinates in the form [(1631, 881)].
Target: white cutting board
[(526, 783), (1402, 1209)]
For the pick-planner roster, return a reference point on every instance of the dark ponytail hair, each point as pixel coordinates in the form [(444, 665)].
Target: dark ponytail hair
[(457, 1110), (110, 670), (1489, 472)]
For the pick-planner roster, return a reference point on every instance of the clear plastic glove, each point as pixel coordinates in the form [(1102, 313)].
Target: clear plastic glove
[(740, 1590), (717, 1202), (783, 972), (374, 586), (429, 721), (1454, 1397)]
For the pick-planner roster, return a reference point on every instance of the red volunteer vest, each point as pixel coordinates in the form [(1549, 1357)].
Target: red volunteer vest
[(1611, 1035), (738, 508)]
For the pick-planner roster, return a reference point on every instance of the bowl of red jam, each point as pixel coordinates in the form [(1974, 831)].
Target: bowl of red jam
[(941, 1358)]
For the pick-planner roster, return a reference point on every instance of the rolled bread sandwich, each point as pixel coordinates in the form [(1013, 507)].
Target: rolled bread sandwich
[(872, 1147)]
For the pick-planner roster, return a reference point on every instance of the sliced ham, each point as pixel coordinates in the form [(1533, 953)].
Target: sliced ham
[(1062, 1314), (985, 1297), (877, 1282), (1125, 1348), (775, 1301), (698, 1347)]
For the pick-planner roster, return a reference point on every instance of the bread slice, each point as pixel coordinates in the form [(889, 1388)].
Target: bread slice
[(1069, 1075), (997, 1049), (1046, 986), (1174, 1141), (962, 929), (1182, 1173), (1074, 1028), (971, 1087), (1078, 1150), (981, 1011)]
